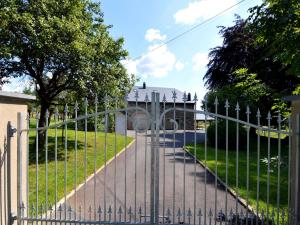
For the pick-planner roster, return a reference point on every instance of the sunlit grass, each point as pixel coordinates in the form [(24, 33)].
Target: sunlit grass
[(114, 143), (253, 166)]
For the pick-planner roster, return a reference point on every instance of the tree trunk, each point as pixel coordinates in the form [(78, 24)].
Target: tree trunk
[(42, 123)]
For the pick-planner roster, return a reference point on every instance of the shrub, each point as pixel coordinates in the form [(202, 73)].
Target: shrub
[(231, 135)]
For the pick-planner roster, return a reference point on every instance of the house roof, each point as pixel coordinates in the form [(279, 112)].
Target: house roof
[(168, 92), (17, 96)]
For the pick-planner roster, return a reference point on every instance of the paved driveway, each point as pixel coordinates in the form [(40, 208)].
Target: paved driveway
[(136, 183)]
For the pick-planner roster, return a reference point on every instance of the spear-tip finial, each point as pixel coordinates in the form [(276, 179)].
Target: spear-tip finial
[(226, 104), (195, 97)]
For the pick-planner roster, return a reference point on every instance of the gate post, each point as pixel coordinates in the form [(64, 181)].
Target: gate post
[(295, 160), (154, 187), (10, 134), (19, 168)]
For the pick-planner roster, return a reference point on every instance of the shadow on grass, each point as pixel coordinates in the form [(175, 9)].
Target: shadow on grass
[(51, 149)]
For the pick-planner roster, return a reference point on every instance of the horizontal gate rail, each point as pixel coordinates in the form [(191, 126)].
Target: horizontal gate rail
[(158, 179)]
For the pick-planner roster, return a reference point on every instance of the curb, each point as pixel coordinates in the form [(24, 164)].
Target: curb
[(72, 192), (232, 192)]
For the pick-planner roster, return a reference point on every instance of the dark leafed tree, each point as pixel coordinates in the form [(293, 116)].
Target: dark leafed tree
[(240, 50), (276, 24), (61, 46)]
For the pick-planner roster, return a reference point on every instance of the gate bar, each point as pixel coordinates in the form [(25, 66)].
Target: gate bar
[(19, 167)]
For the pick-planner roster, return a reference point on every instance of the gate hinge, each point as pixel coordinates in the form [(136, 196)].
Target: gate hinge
[(13, 218), (12, 131)]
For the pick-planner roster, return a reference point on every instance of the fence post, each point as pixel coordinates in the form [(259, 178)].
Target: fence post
[(294, 206), (10, 133), (154, 186), (19, 167)]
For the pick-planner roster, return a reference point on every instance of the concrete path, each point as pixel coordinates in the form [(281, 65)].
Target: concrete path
[(125, 183)]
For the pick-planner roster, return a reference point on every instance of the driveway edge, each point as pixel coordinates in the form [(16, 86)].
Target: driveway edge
[(61, 201), (242, 201)]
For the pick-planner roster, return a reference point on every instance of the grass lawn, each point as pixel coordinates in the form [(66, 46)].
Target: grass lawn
[(242, 174), (111, 141)]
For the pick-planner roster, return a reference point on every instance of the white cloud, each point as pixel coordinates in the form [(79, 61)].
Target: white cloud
[(16, 85), (130, 65), (201, 9), (200, 61), (179, 66), (154, 34), (156, 63)]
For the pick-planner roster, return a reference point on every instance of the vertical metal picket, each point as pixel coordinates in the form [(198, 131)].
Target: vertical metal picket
[(19, 167), (154, 188)]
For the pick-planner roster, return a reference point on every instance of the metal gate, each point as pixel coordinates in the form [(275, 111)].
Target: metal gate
[(165, 170)]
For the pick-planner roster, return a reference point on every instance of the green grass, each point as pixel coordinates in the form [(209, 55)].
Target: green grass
[(242, 174), (111, 141)]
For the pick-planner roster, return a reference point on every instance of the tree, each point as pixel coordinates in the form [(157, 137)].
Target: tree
[(62, 46), (276, 24), (239, 50), (247, 91)]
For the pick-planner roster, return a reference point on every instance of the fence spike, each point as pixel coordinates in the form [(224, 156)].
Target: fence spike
[(99, 210), (76, 108), (28, 116), (106, 100), (129, 211), (56, 113), (96, 100), (146, 98), (120, 211), (140, 211), (136, 95), (242, 214), (80, 210), (258, 115), (237, 107), (279, 118), (37, 115), (184, 97), (227, 104), (195, 97), (199, 212), (66, 109), (85, 102), (126, 96), (189, 213), (32, 210), (231, 214), (248, 112), (216, 101), (168, 212), (47, 114), (109, 210), (273, 215), (174, 95), (164, 98), (179, 215), (269, 117), (210, 214)]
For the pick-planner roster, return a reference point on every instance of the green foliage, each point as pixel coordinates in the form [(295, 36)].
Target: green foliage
[(276, 24), (252, 44), (63, 47), (232, 127), (247, 91)]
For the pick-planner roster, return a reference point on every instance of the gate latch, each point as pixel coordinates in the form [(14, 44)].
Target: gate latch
[(13, 218), (11, 131)]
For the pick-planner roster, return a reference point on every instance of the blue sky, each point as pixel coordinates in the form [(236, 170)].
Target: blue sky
[(147, 24), (182, 63)]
